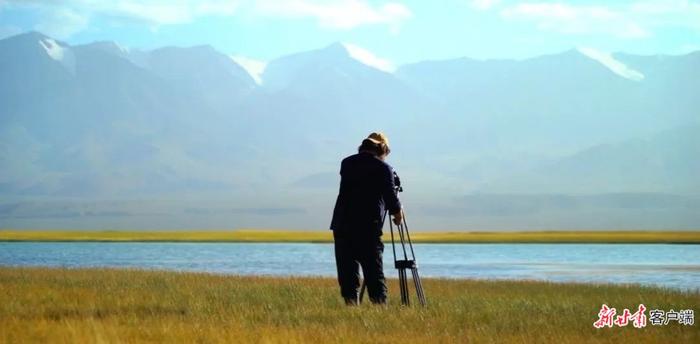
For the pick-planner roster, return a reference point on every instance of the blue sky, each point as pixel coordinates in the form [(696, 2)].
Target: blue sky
[(393, 32)]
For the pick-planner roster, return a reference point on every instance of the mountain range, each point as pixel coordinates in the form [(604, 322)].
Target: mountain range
[(102, 136)]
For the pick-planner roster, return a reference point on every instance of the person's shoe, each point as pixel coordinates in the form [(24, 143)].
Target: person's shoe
[(380, 301), (351, 301)]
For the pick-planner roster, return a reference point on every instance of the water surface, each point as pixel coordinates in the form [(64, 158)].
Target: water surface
[(675, 266)]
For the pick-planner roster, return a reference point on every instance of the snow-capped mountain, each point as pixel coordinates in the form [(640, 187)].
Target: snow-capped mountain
[(231, 143)]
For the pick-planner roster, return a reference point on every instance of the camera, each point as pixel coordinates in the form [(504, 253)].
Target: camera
[(397, 183)]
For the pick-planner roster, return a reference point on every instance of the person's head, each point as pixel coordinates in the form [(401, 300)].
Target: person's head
[(377, 144)]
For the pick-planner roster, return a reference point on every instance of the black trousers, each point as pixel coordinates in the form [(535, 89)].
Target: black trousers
[(353, 251)]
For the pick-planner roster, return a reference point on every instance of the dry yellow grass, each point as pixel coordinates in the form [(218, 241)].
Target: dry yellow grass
[(131, 306), (325, 236)]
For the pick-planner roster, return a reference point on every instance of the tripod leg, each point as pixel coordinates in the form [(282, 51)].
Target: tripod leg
[(400, 285), (362, 290), (403, 287), (405, 297), (419, 287), (424, 302)]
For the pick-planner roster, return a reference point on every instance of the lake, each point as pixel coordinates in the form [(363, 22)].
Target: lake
[(675, 266)]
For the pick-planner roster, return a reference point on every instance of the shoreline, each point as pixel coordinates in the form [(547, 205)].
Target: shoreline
[(389, 277), (283, 236), (330, 242)]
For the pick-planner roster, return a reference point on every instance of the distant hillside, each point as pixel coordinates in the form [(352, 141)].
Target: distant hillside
[(666, 162)]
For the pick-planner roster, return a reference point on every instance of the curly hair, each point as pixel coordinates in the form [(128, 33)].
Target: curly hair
[(377, 149)]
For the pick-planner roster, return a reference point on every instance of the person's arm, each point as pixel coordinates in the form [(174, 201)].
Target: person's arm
[(338, 211), (391, 199)]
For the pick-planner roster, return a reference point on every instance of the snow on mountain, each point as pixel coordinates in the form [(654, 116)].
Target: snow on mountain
[(332, 66), (367, 57), (607, 60), (254, 67), (52, 48), (62, 54)]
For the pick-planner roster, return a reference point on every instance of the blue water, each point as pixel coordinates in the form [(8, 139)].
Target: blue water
[(675, 266)]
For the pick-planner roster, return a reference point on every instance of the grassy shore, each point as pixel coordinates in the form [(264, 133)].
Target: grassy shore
[(112, 305), (676, 237)]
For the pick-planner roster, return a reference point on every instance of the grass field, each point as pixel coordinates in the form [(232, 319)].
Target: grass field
[(110, 306), (679, 237)]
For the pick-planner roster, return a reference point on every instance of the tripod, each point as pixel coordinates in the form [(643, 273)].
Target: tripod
[(408, 261)]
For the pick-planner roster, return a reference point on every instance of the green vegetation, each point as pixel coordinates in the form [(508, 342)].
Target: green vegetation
[(122, 305), (678, 237)]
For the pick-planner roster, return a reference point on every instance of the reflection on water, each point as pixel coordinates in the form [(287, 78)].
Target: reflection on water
[(676, 266)]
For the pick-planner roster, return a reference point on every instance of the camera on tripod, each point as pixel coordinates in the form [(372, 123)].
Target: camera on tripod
[(397, 183)]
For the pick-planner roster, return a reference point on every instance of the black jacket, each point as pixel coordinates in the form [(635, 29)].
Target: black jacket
[(366, 190)]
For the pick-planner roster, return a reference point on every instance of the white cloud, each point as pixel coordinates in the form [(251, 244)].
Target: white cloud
[(558, 11), (573, 19), (367, 57), (62, 22), (338, 14), (607, 60), (57, 21), (169, 12), (64, 18), (637, 19), (254, 67), (484, 4), (679, 13)]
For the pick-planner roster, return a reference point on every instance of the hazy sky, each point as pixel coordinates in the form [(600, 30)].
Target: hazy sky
[(397, 32)]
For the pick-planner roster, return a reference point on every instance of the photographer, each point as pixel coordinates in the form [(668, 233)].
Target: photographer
[(366, 191)]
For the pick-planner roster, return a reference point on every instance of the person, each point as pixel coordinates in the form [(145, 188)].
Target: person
[(366, 191)]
